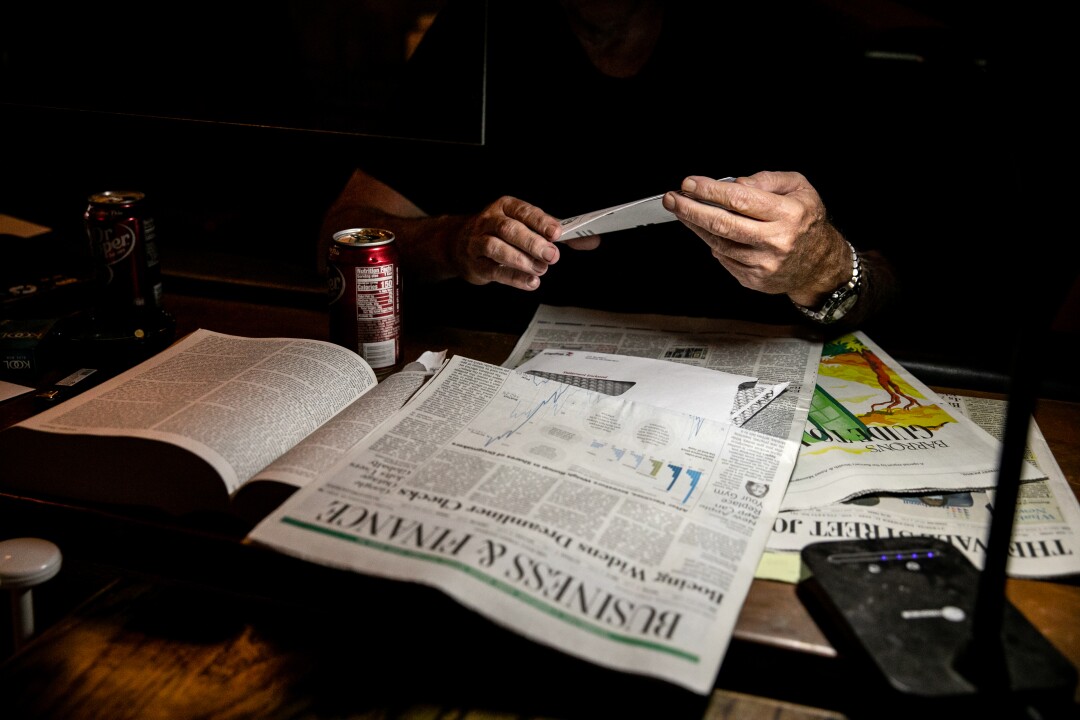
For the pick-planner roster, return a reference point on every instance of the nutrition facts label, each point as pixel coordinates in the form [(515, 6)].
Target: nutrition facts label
[(375, 292)]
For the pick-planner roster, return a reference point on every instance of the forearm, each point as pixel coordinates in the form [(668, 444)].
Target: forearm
[(424, 242)]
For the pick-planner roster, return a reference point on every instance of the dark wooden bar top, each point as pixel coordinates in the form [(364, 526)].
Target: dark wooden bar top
[(263, 637)]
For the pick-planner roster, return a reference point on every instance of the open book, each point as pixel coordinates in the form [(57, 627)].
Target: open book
[(216, 423)]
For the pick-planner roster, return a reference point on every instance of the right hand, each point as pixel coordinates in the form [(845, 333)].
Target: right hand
[(509, 242)]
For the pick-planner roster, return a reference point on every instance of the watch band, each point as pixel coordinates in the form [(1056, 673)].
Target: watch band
[(840, 300)]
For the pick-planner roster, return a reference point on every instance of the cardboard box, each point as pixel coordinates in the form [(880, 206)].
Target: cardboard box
[(25, 347)]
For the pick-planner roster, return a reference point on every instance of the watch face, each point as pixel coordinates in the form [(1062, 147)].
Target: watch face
[(845, 305)]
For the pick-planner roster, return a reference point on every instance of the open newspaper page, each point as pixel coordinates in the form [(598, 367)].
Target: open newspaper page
[(873, 427), (777, 356), (619, 532), (1046, 534)]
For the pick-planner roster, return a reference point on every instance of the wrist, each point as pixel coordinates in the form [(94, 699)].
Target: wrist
[(842, 299)]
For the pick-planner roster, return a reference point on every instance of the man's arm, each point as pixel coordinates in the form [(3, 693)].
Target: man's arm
[(771, 231), (509, 241)]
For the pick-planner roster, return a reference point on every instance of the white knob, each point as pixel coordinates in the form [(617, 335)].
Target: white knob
[(24, 563)]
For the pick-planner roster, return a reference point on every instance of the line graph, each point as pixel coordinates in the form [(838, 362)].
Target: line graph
[(574, 430)]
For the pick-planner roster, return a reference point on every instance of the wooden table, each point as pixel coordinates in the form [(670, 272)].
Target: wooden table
[(175, 636)]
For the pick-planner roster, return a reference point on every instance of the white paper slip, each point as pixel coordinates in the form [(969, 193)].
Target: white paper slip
[(647, 211)]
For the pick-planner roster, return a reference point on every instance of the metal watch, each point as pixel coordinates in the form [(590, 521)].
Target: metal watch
[(840, 300)]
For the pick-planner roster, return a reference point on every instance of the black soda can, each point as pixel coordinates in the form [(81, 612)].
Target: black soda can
[(365, 295), (122, 239)]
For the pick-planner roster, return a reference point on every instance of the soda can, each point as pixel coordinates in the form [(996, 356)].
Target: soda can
[(365, 295), (122, 239)]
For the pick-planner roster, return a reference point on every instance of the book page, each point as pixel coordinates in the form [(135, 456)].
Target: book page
[(327, 445), (236, 402)]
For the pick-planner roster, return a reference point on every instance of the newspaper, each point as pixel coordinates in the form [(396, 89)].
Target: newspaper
[(922, 448), (874, 427), (1046, 534), (783, 359), (690, 389), (617, 531), (1046, 540)]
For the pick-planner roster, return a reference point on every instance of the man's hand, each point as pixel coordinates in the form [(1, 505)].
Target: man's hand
[(508, 242), (769, 230)]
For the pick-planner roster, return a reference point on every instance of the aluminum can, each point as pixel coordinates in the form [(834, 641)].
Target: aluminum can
[(122, 238), (365, 295)]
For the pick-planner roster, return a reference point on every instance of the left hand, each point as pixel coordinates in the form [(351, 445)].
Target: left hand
[(770, 231)]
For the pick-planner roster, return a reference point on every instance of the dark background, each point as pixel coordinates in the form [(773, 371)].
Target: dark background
[(242, 121)]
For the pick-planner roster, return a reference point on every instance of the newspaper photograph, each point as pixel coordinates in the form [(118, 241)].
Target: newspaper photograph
[(616, 531)]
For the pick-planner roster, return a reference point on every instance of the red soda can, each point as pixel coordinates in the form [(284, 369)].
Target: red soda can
[(122, 238), (365, 295)]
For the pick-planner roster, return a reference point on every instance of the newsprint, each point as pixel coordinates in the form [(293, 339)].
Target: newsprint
[(623, 532)]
